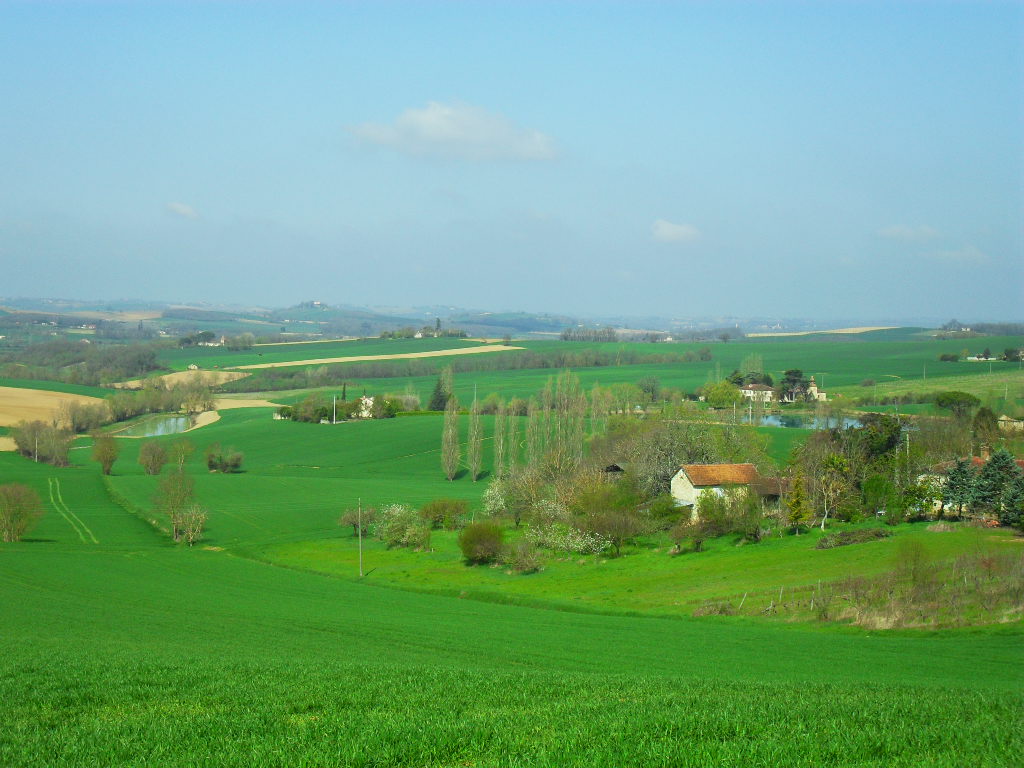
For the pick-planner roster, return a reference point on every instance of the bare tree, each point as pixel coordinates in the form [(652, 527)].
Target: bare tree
[(450, 449), (180, 451), (105, 451), (192, 521), (474, 444), (20, 507), (152, 456), (174, 498)]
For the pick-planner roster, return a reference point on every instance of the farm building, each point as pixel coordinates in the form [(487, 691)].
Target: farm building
[(694, 480), (757, 393)]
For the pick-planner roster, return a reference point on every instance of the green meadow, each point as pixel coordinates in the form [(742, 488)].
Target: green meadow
[(261, 645)]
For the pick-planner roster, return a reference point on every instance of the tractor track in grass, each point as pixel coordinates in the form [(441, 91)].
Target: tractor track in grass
[(59, 504)]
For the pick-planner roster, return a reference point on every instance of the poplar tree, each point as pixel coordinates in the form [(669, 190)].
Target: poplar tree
[(450, 439), (474, 446), (512, 440), (500, 445)]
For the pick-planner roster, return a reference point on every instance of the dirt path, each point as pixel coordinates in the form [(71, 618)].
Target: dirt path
[(368, 358)]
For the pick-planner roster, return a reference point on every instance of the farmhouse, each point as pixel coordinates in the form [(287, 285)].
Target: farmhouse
[(1010, 424), (757, 393), (694, 480)]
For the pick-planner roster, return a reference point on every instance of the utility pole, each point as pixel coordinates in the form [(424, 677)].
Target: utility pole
[(359, 527), (334, 411)]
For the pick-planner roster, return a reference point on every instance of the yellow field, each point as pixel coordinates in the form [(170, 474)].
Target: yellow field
[(368, 358), (859, 329), (34, 404), (211, 377)]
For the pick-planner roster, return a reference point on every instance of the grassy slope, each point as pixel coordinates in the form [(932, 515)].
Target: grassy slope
[(56, 386), (642, 580)]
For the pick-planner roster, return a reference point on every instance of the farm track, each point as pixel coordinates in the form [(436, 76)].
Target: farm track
[(66, 512)]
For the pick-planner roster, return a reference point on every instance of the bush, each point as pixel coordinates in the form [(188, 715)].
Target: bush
[(219, 461), (522, 556), (20, 507), (858, 536), (400, 526), (481, 542), (445, 513)]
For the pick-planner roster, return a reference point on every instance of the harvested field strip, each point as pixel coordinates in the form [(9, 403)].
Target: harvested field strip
[(73, 520), (17, 404), (184, 377), (366, 358), (859, 329)]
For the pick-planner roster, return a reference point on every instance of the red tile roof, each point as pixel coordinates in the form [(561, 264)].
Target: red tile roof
[(720, 474)]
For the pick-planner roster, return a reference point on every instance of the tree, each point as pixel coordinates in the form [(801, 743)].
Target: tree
[(180, 451), (832, 482), (174, 499), (999, 472), (797, 507), (354, 517), (723, 394), (104, 451), (450, 439), (651, 386), (959, 403), (481, 542), (439, 397), (958, 490), (1012, 511), (20, 507), (500, 419), (474, 443), (152, 456), (192, 520), (986, 426)]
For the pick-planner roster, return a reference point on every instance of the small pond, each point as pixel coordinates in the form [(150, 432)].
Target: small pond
[(157, 426), (801, 421)]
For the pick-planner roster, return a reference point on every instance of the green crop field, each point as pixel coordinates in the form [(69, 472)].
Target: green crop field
[(262, 646)]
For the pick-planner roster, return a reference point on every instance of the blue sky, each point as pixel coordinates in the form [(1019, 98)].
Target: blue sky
[(790, 159)]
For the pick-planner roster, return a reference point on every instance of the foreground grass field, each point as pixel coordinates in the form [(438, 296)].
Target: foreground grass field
[(119, 648)]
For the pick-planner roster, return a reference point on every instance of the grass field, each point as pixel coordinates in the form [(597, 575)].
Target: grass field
[(260, 646)]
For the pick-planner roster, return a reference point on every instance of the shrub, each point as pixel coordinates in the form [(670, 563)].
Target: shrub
[(219, 461), (481, 542), (858, 536), (566, 538), (522, 556), (445, 513), (20, 507), (400, 526)]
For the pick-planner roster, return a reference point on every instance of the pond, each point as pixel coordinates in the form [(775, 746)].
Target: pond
[(801, 421), (157, 426)]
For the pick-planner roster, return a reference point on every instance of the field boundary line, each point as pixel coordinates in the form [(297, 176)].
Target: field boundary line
[(71, 512)]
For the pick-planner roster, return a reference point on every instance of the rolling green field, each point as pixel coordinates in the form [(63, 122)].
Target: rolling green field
[(261, 646)]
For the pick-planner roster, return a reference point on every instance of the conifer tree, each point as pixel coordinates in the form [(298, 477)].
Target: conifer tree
[(797, 506)]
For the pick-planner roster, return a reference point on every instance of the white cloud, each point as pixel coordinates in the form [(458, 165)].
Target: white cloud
[(457, 130), (969, 254), (667, 232), (183, 210), (907, 233)]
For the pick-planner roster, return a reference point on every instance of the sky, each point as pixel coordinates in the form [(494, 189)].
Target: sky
[(818, 160)]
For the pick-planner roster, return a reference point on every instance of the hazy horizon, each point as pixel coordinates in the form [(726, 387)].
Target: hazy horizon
[(657, 159)]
